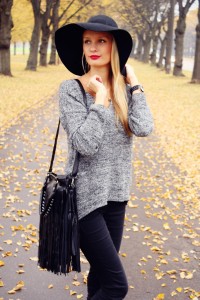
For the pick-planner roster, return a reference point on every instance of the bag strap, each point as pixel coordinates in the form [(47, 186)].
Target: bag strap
[(76, 161)]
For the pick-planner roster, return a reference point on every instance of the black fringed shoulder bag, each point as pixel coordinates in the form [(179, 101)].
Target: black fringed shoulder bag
[(59, 250)]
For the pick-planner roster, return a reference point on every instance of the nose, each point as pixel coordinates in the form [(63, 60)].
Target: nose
[(93, 47)]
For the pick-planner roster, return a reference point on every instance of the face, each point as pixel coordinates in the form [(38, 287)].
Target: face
[(97, 48)]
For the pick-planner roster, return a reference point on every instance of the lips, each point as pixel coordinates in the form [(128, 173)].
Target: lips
[(94, 57)]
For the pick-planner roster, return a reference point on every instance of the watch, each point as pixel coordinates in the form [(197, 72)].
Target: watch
[(137, 87)]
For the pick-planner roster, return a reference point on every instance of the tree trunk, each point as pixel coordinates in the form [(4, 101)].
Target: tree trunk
[(6, 25), (162, 53), (35, 38), (24, 45), (15, 48), (169, 37), (55, 20), (138, 54), (179, 35), (52, 60), (154, 51), (45, 33), (196, 70), (179, 39), (44, 46), (147, 46)]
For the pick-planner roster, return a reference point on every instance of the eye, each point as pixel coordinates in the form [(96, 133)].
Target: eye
[(102, 41), (86, 42)]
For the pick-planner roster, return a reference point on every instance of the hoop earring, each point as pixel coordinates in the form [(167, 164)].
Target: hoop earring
[(85, 65)]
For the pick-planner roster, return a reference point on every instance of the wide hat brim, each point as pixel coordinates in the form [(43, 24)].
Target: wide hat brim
[(68, 40)]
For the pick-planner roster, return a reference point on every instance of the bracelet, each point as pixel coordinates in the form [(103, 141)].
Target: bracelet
[(136, 87)]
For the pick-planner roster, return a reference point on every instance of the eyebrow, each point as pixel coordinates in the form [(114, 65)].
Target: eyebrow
[(88, 37)]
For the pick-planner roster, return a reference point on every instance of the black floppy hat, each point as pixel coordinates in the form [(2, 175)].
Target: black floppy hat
[(68, 40)]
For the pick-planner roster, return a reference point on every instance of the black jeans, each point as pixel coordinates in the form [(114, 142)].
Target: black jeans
[(100, 238)]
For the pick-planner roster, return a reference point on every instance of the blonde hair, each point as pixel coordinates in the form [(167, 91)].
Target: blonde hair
[(119, 90)]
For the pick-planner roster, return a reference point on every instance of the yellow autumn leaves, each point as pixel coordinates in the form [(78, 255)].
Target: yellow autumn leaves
[(176, 107), (176, 115), (27, 89)]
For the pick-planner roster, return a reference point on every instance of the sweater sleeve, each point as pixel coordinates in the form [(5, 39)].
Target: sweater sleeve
[(85, 129), (139, 115)]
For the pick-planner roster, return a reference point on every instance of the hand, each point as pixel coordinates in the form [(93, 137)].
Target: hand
[(95, 84), (131, 78), (97, 87)]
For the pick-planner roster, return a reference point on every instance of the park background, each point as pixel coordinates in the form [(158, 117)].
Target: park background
[(174, 102)]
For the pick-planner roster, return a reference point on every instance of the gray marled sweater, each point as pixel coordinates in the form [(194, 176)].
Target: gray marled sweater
[(105, 165)]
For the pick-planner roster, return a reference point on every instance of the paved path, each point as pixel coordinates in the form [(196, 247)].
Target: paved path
[(160, 248)]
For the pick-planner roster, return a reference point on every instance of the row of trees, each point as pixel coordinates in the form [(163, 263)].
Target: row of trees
[(47, 15), (151, 24)]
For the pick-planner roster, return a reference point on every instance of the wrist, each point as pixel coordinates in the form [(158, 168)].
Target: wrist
[(137, 88), (133, 81), (100, 97)]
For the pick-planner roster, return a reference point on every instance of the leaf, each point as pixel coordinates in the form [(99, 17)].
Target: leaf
[(124, 255), (170, 272), (166, 226), (8, 253), (72, 292), (189, 275), (34, 258), (2, 263), (67, 287), (155, 249), (1, 283), (20, 271), (164, 262), (11, 292), (18, 287), (159, 275), (8, 242), (76, 283), (160, 297)]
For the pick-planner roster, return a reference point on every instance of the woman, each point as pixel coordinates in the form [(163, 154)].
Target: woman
[(102, 133)]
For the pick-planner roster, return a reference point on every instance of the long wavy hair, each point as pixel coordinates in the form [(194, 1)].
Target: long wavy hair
[(119, 90)]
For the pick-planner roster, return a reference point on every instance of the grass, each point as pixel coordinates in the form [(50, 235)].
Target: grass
[(27, 88), (175, 104)]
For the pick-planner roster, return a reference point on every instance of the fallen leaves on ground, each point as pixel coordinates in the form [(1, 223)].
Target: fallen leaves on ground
[(162, 214), (17, 288)]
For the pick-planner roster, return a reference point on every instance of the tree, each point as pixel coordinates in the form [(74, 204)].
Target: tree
[(55, 20), (162, 51), (46, 23), (6, 25), (179, 35), (35, 38), (147, 19), (160, 27), (196, 70), (169, 37)]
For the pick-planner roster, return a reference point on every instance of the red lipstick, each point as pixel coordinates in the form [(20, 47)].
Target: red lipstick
[(94, 57)]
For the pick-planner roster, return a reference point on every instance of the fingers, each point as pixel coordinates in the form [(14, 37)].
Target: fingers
[(131, 78), (129, 70), (95, 83)]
